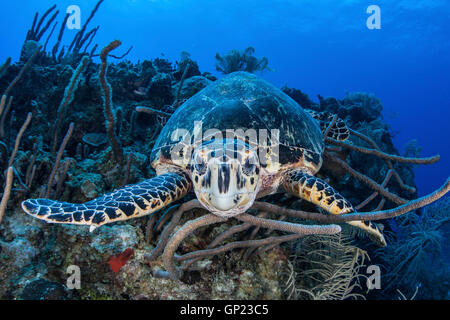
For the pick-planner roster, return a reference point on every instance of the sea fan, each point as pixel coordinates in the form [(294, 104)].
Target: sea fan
[(325, 268), (236, 60)]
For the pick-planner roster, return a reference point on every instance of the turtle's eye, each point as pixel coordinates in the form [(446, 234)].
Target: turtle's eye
[(249, 167), (200, 165)]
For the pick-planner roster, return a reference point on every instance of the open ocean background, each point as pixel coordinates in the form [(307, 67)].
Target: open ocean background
[(320, 47)]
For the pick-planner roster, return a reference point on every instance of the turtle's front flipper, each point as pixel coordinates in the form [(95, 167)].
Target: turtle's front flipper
[(131, 201), (339, 131), (317, 191)]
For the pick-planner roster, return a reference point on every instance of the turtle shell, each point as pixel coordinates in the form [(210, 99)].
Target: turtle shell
[(242, 101)]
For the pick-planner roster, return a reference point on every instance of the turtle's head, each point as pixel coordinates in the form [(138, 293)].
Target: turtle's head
[(226, 176)]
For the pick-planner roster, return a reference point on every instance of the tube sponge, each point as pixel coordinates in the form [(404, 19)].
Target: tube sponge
[(69, 94), (107, 101)]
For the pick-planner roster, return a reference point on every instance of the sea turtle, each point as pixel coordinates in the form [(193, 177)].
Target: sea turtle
[(237, 140)]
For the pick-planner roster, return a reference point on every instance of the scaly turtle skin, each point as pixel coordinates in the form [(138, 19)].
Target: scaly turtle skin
[(237, 140)]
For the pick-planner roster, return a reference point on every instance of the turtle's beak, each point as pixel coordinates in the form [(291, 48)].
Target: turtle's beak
[(223, 203)]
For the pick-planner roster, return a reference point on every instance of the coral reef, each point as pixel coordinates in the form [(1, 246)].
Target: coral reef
[(49, 251), (134, 100), (362, 113)]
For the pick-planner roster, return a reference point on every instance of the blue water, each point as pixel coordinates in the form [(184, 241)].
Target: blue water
[(320, 47)]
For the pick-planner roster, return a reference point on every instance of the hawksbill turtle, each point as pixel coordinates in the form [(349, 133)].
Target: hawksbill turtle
[(237, 140)]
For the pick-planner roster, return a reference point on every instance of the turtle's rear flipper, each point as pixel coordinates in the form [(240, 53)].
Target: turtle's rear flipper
[(125, 203), (339, 131), (317, 191)]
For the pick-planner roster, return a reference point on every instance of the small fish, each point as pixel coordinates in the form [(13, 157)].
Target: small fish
[(117, 262)]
